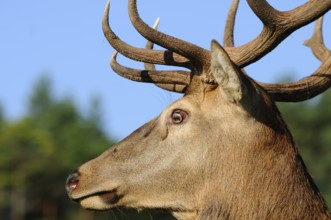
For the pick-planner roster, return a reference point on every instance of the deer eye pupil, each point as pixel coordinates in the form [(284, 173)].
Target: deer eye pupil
[(177, 118)]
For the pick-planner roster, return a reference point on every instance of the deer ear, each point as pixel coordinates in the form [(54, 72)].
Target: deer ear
[(226, 74)]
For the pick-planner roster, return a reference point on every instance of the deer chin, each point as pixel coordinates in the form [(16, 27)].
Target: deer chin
[(100, 201)]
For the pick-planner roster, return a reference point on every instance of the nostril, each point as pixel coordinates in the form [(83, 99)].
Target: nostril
[(72, 182)]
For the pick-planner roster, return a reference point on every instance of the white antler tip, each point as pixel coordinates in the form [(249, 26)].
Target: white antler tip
[(156, 24)]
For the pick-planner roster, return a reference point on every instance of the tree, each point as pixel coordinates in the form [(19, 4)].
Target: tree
[(24, 151), (38, 151)]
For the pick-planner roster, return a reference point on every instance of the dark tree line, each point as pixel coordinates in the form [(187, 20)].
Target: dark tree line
[(38, 151)]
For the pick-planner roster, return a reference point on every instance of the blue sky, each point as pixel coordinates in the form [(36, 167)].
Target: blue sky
[(64, 39)]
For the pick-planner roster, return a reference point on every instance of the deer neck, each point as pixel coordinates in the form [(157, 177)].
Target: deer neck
[(267, 181)]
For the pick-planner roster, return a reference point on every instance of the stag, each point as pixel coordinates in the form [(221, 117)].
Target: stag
[(222, 151)]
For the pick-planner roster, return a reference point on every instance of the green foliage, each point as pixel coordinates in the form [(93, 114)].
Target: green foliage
[(38, 151), (310, 124), (77, 138), (2, 117)]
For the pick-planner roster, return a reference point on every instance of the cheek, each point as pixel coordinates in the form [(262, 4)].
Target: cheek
[(185, 139)]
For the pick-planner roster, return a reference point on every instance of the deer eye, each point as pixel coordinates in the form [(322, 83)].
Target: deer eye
[(178, 116)]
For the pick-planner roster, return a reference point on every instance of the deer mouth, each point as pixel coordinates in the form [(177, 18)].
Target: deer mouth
[(97, 199), (100, 200)]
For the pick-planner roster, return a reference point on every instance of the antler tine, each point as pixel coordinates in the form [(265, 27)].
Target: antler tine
[(150, 46), (199, 56), (277, 26), (304, 89), (148, 66), (313, 85), (143, 55), (228, 40), (150, 76), (316, 42)]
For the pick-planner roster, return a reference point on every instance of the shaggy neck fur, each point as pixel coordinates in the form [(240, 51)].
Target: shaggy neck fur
[(263, 177), (270, 185)]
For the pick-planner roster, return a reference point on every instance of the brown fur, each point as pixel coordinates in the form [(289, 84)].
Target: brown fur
[(231, 157), (229, 161)]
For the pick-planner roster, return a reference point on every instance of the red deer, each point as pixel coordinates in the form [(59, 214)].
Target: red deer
[(222, 151)]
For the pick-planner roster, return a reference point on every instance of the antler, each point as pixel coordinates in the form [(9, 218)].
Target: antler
[(277, 26), (316, 42), (228, 40), (165, 57), (170, 80), (199, 56), (170, 87), (176, 81), (313, 85), (301, 90), (152, 76)]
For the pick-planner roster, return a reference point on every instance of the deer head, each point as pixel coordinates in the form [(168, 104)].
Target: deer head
[(222, 151)]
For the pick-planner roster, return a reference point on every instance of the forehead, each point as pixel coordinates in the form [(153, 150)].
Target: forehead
[(187, 102), (199, 102)]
